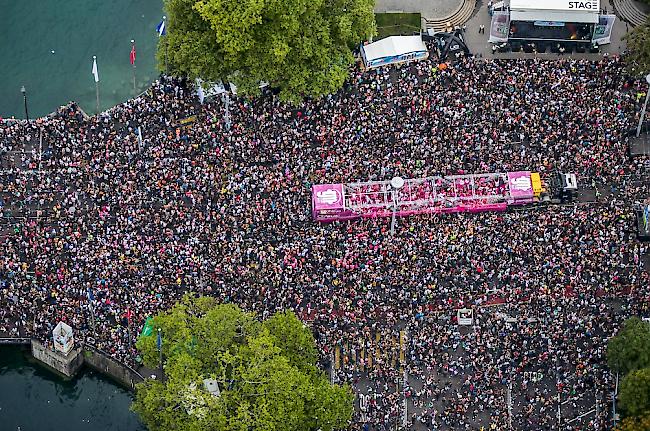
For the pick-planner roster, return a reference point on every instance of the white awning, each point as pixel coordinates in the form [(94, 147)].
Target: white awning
[(553, 15), (393, 46), (585, 11), (566, 5)]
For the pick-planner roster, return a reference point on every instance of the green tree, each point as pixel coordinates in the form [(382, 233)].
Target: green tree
[(302, 47), (629, 350), (635, 423), (638, 50), (295, 342), (635, 392), (266, 373)]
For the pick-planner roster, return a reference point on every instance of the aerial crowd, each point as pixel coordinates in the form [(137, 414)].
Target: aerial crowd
[(101, 229)]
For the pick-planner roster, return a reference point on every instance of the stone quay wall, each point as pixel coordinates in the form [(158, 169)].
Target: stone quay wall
[(105, 364), (69, 365)]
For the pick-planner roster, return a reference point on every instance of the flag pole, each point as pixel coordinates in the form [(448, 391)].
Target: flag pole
[(128, 327), (133, 49), (92, 310), (165, 24), (160, 363), (96, 86)]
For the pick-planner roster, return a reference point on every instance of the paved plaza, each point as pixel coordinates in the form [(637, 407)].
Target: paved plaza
[(427, 8)]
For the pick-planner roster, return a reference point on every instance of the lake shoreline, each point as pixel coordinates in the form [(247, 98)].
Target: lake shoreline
[(89, 401)]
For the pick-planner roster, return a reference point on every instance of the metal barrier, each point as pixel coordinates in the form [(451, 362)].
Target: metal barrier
[(15, 341)]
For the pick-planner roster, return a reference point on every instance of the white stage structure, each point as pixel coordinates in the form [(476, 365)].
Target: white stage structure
[(63, 338)]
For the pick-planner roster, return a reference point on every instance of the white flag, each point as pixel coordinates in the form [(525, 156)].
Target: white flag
[(199, 90), (95, 72)]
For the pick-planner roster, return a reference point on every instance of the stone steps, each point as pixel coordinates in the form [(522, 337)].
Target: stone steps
[(457, 18), (629, 12)]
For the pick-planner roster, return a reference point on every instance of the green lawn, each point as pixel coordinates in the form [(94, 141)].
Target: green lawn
[(391, 24)]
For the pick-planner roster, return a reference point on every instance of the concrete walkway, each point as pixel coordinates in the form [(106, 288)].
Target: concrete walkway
[(429, 9), (478, 42), (643, 6)]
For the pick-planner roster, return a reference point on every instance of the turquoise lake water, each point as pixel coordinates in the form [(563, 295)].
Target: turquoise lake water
[(75, 30), (34, 399)]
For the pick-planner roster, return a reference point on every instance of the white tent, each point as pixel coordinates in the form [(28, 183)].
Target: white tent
[(212, 90), (394, 49)]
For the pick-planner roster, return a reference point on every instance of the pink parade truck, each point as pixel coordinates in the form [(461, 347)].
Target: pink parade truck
[(448, 194)]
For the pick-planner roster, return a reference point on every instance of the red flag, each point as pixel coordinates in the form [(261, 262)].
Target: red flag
[(128, 315), (132, 55)]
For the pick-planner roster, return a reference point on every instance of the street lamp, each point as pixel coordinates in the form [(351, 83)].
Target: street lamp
[(22, 90), (226, 101), (645, 105), (396, 185)]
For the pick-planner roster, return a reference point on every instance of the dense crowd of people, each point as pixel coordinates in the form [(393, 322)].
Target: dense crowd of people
[(196, 206)]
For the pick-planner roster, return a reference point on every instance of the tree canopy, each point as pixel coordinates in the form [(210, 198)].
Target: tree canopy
[(638, 50), (266, 372), (635, 423), (635, 392), (302, 47), (629, 350)]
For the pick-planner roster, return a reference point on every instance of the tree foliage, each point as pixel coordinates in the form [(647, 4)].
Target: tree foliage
[(302, 47), (635, 423), (266, 371), (638, 50), (635, 392), (629, 350)]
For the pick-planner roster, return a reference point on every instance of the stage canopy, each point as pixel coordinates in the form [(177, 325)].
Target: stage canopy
[(585, 11)]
